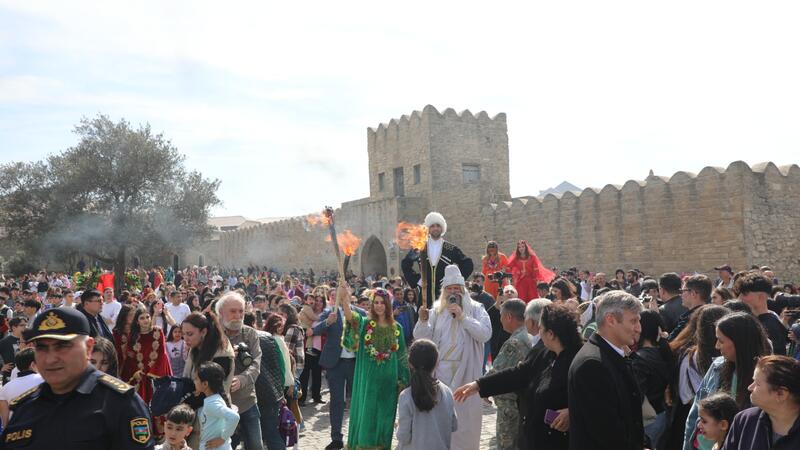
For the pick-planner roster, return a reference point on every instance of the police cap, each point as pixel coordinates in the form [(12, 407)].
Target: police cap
[(62, 323)]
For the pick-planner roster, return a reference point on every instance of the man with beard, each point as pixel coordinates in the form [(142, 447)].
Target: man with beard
[(433, 258), (459, 326), (230, 309)]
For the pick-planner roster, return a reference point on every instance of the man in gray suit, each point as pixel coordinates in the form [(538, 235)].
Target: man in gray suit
[(339, 365)]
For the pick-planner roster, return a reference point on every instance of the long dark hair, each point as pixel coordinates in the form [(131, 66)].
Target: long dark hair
[(152, 309), (214, 340), (387, 311), (750, 342), (136, 330), (122, 317), (422, 358), (706, 337), (214, 375), (106, 347), (406, 293)]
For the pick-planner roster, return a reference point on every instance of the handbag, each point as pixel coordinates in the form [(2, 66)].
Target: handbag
[(168, 392), (287, 426)]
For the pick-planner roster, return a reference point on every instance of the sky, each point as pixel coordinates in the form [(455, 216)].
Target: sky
[(274, 98)]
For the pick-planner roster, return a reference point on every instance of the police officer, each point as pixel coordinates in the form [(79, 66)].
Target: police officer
[(77, 406)]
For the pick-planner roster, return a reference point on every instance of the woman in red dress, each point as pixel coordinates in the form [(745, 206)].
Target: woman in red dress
[(527, 271), (144, 358), (493, 261)]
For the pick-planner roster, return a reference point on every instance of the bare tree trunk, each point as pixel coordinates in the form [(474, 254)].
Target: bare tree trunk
[(119, 271)]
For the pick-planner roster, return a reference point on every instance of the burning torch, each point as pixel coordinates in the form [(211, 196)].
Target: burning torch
[(415, 236)]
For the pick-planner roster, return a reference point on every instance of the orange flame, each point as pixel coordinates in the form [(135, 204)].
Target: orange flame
[(348, 242), (318, 219), (411, 235)]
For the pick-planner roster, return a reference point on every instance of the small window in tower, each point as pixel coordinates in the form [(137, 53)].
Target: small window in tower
[(381, 181), (471, 173), (417, 174)]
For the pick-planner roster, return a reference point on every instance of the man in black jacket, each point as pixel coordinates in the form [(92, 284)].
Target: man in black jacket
[(605, 404), (669, 289), (91, 305), (433, 258)]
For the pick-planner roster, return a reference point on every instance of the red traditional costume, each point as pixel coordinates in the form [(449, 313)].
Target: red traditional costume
[(147, 356), (492, 264), (527, 272)]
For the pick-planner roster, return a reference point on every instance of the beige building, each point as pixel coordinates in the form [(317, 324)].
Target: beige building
[(458, 164)]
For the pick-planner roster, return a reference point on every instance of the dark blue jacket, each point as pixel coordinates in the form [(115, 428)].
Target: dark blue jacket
[(752, 430), (332, 350)]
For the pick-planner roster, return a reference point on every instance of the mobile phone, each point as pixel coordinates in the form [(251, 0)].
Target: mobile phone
[(549, 416)]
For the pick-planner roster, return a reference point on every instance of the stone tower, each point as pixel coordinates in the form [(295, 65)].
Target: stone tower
[(439, 156)]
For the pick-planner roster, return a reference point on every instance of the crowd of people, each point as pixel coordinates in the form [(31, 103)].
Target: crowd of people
[(208, 357)]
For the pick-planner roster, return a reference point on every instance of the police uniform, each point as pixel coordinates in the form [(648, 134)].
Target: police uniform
[(101, 412)]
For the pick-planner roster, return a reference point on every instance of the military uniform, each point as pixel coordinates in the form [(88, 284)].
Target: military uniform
[(507, 424), (101, 412)]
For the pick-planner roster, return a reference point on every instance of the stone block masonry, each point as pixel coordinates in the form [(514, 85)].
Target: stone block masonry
[(458, 164)]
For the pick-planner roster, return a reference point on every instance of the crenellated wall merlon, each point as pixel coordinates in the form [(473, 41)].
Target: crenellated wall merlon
[(678, 178), (450, 114)]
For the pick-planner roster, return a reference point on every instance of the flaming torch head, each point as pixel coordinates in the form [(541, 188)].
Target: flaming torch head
[(411, 236), (348, 242)]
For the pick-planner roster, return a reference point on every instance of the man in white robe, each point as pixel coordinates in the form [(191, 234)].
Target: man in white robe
[(460, 328)]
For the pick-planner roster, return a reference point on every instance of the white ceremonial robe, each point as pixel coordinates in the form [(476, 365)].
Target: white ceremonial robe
[(461, 346)]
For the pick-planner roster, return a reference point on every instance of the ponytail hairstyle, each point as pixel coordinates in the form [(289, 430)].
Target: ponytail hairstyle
[(422, 358), (214, 375), (214, 340)]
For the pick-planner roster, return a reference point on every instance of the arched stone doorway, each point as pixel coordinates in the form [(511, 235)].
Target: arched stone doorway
[(373, 257)]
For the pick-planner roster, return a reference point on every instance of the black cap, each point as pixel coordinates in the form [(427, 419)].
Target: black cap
[(63, 323)]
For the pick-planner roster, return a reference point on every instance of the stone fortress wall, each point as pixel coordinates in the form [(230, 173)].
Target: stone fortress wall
[(458, 164)]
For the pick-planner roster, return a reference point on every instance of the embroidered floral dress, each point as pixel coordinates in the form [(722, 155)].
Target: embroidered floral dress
[(381, 373)]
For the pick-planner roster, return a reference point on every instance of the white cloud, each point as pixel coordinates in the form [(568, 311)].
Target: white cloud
[(274, 98)]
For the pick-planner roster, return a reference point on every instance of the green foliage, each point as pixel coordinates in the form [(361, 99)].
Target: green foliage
[(118, 191)]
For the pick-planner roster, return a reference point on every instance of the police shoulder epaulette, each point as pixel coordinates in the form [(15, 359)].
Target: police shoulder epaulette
[(115, 384), (24, 396)]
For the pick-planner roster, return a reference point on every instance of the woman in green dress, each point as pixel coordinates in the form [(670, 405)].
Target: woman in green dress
[(381, 370)]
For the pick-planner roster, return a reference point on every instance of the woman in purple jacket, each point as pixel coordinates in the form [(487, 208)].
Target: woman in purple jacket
[(774, 422)]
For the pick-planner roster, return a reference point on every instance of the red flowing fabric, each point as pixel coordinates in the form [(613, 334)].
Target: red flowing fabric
[(490, 266), (528, 272), (106, 281)]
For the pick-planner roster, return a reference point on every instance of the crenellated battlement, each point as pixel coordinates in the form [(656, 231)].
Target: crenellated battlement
[(708, 174), (418, 117)]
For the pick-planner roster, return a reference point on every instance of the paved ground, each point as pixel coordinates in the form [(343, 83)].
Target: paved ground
[(317, 426)]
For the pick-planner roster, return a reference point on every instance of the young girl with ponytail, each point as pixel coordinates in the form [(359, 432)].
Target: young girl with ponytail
[(426, 408), (216, 416)]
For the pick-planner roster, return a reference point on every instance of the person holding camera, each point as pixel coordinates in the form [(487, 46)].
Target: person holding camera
[(459, 326), (494, 263), (247, 366)]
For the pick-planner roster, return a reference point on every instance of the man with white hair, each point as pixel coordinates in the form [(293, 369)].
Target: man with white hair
[(247, 366), (433, 258), (459, 326), (522, 378)]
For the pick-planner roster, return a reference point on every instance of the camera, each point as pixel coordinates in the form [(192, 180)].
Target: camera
[(454, 300), (243, 354), (499, 276)]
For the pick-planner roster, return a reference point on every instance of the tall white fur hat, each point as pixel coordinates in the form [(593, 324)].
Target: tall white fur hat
[(435, 217), (452, 276)]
